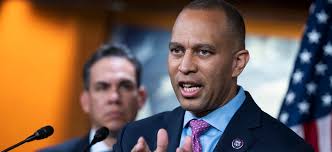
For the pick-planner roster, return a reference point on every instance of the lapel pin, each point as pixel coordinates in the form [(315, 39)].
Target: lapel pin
[(237, 143)]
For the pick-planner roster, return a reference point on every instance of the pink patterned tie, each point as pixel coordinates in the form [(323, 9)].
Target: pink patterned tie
[(197, 128)]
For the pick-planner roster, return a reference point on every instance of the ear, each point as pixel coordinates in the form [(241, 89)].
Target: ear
[(240, 61), (142, 95), (85, 101)]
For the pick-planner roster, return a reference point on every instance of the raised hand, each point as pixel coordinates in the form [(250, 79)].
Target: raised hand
[(140, 146), (162, 143), (186, 147)]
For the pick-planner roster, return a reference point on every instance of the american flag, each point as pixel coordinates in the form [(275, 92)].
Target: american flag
[(307, 107)]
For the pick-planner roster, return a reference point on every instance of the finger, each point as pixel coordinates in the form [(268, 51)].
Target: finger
[(141, 146), (179, 149), (137, 146), (162, 140), (187, 144)]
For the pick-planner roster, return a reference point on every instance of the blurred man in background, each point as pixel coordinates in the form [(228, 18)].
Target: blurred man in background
[(112, 96)]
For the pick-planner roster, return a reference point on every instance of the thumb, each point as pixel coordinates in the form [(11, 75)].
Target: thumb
[(162, 140), (187, 144), (141, 146)]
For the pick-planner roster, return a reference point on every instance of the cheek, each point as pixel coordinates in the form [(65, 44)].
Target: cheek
[(97, 101), (173, 64), (131, 110), (130, 103), (97, 107), (171, 70), (216, 78)]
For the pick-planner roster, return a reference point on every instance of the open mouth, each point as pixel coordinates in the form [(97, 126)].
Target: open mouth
[(190, 89)]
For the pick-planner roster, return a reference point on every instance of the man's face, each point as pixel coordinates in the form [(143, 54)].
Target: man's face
[(200, 61), (113, 98)]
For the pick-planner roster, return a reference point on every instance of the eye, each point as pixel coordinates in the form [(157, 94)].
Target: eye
[(176, 51), (204, 52), (127, 86), (101, 86)]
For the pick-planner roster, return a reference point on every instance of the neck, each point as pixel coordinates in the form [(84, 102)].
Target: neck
[(110, 141), (232, 93)]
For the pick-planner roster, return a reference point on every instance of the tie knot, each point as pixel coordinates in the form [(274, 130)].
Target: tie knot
[(198, 126)]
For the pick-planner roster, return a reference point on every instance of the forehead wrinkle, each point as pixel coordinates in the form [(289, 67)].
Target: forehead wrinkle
[(188, 45)]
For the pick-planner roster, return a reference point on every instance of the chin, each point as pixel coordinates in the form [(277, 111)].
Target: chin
[(191, 105), (115, 124), (115, 127)]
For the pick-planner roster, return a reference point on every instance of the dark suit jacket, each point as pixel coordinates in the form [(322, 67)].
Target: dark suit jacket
[(73, 145), (258, 131)]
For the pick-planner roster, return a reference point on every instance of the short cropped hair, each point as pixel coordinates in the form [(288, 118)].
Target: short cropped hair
[(235, 20), (110, 50)]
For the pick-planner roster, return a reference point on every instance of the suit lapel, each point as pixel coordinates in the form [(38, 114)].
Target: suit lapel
[(174, 123), (237, 136)]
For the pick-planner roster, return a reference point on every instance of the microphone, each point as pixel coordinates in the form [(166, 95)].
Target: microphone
[(100, 135), (39, 134)]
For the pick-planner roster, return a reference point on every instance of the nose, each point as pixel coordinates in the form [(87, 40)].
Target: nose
[(114, 96), (187, 64)]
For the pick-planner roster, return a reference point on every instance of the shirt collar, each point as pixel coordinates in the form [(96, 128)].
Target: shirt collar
[(220, 117), (98, 147)]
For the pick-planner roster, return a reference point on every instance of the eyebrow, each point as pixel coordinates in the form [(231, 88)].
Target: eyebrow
[(126, 81), (208, 46), (196, 46), (174, 44), (101, 83)]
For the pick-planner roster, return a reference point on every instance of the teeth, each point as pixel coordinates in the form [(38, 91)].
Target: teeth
[(187, 85), (191, 89)]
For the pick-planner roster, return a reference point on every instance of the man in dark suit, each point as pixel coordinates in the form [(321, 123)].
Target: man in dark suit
[(206, 55), (111, 97)]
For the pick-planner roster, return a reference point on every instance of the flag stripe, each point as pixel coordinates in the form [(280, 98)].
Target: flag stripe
[(310, 134), (324, 132)]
